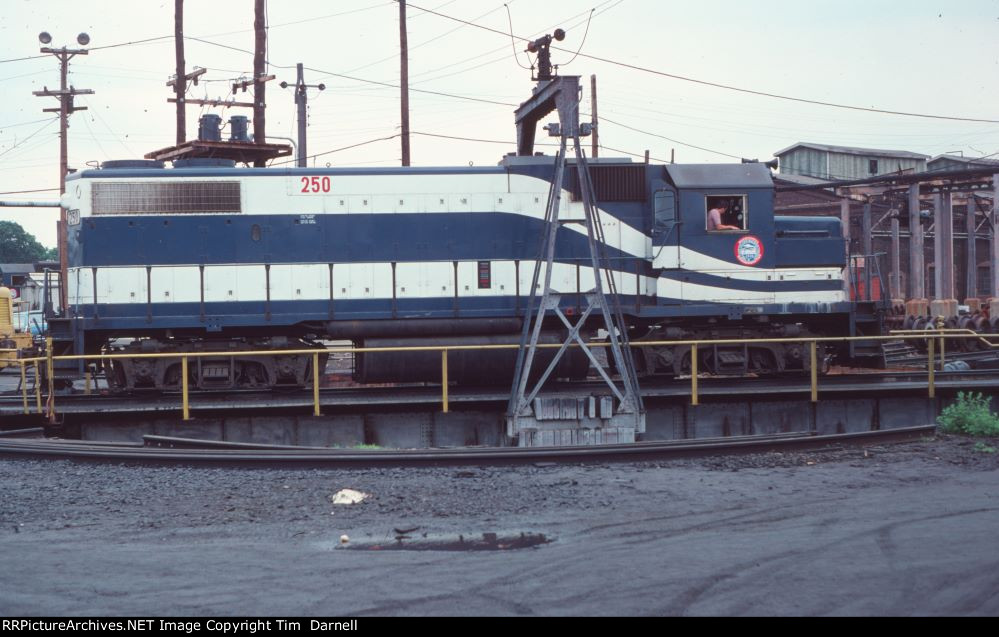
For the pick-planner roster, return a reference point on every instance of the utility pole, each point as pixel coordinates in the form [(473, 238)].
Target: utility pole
[(301, 100), (65, 95), (180, 88), (404, 80), (259, 80), (595, 139), (180, 85)]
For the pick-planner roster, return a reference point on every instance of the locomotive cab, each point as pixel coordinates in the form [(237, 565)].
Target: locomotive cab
[(698, 250)]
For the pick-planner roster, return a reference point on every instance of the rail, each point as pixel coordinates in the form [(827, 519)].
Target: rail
[(931, 337)]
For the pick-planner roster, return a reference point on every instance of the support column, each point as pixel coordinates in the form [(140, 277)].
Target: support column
[(896, 294), (868, 242), (971, 278), (944, 303), (994, 243), (917, 304), (844, 216)]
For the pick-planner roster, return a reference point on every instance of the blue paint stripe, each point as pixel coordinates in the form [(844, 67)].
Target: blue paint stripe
[(711, 280), (354, 238)]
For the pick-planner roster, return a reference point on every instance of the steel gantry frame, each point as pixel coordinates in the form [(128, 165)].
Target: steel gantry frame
[(563, 95)]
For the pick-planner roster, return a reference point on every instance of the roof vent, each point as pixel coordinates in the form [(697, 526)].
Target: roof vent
[(204, 162), (131, 164)]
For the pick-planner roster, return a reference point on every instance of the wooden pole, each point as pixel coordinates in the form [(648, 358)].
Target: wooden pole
[(404, 81), (180, 83), (259, 70)]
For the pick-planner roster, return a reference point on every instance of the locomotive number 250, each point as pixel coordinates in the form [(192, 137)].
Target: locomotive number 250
[(315, 184)]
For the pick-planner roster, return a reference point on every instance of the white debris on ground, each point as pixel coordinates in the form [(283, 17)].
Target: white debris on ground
[(348, 496)]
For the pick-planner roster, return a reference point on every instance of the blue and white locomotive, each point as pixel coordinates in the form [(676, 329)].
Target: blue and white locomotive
[(206, 256)]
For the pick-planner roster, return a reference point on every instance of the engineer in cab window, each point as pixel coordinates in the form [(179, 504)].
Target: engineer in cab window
[(718, 214)]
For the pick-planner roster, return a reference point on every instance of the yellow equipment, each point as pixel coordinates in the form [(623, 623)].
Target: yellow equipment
[(11, 340)]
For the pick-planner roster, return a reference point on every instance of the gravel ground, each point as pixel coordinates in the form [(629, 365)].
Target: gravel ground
[(904, 529)]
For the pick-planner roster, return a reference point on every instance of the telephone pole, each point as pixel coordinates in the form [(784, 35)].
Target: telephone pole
[(65, 95), (180, 87), (404, 80), (259, 74), (301, 100)]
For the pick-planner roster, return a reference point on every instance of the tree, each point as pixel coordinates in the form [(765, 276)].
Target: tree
[(18, 246)]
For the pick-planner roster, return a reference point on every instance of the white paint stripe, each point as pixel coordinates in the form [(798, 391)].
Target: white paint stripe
[(351, 281), (669, 288)]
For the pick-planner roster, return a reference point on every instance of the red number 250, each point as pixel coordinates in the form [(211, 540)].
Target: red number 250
[(315, 184)]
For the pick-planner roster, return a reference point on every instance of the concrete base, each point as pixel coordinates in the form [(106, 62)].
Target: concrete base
[(993, 308), (917, 307), (946, 308), (974, 305), (665, 419), (898, 306), (576, 437)]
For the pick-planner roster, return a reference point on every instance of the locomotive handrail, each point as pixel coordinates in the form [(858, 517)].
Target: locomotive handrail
[(930, 335)]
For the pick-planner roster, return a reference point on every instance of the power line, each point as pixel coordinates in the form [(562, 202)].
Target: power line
[(466, 139), (44, 126), (724, 86), (618, 150), (357, 79), (35, 121), (21, 192), (670, 139), (422, 74), (425, 42), (337, 150)]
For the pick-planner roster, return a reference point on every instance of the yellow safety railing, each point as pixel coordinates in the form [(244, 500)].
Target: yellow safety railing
[(931, 336)]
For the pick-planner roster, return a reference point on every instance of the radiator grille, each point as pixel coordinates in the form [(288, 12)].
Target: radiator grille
[(166, 198), (613, 183)]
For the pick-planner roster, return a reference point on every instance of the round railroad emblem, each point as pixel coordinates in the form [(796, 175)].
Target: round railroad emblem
[(748, 250)]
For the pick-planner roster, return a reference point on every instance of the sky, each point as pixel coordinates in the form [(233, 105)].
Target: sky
[(925, 57)]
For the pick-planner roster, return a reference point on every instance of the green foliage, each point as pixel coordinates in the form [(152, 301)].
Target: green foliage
[(18, 246), (970, 415), (984, 448)]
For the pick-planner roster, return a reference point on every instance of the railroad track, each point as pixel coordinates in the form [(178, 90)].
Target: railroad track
[(159, 449)]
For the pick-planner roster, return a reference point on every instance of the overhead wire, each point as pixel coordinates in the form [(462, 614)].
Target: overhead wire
[(414, 77), (48, 123), (337, 150), (513, 45), (725, 86), (22, 192)]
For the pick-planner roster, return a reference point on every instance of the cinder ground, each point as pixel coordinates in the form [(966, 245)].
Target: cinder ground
[(909, 529)]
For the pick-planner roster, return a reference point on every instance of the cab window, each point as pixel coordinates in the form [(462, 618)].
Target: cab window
[(665, 212), (725, 213)]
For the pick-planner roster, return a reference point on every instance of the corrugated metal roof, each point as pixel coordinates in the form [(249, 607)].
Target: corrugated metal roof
[(972, 161), (17, 268), (799, 179), (720, 175), (853, 150)]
